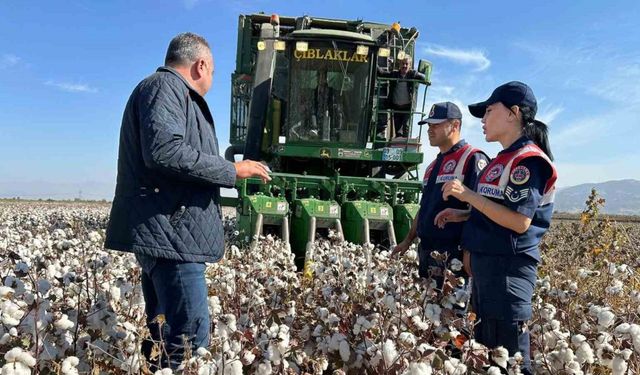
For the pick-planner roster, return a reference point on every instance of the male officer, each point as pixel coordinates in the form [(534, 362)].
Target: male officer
[(457, 160)]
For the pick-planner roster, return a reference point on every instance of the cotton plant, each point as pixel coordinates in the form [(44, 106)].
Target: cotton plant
[(75, 307)]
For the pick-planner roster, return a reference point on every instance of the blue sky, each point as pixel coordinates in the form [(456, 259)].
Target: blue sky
[(68, 67)]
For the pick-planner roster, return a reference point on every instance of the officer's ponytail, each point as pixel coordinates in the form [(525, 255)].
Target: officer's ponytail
[(535, 130)]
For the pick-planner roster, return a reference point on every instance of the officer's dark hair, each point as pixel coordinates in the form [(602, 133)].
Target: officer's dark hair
[(535, 130), (185, 49)]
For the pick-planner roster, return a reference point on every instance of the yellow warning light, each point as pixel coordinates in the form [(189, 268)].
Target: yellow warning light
[(384, 52), (261, 45), (279, 45), (302, 46), (395, 27), (362, 50)]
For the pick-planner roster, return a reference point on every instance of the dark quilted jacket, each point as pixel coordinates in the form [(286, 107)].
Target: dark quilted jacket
[(167, 196)]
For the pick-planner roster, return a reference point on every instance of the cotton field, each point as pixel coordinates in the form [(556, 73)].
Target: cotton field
[(68, 306)]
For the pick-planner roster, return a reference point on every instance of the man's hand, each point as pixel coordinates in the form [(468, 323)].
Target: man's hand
[(450, 215), (401, 248), (250, 168)]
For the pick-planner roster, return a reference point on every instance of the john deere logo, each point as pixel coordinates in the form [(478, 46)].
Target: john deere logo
[(325, 153)]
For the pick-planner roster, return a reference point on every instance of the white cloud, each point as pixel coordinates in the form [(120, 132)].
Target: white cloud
[(473, 57), (72, 87), (8, 60), (549, 112)]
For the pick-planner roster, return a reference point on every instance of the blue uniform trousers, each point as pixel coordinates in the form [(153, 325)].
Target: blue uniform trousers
[(502, 292), (178, 291)]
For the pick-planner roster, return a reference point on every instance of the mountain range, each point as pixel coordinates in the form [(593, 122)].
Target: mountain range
[(622, 197)]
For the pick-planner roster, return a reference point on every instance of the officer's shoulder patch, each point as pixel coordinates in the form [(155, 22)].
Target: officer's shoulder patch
[(520, 175), (481, 164)]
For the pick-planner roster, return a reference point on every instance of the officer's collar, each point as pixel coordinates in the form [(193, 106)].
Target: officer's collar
[(456, 147), (524, 140), (175, 72)]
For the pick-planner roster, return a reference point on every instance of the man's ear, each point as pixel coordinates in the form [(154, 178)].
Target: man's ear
[(199, 68), (457, 123)]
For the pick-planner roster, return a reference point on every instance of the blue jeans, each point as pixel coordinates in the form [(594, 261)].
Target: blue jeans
[(178, 291)]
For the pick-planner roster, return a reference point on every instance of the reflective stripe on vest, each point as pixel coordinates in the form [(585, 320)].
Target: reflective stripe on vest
[(493, 187), (459, 157)]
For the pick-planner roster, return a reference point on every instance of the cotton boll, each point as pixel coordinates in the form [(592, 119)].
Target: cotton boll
[(16, 368), (493, 370), (456, 265), (248, 357), (618, 366), (548, 312), (69, 366), (605, 354), (500, 356), (420, 368), (63, 323), (264, 368), (345, 351), (605, 318), (389, 352), (615, 288), (164, 371), (432, 312), (453, 366), (407, 339), (6, 292)]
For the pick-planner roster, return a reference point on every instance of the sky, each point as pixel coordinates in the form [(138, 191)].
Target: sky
[(67, 69)]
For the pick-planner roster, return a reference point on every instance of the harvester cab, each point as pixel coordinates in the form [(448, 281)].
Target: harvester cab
[(307, 100)]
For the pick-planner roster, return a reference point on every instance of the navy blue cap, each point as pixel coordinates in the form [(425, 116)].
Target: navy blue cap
[(510, 94), (441, 112)]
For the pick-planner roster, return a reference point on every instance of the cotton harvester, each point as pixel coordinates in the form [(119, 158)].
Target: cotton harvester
[(307, 100)]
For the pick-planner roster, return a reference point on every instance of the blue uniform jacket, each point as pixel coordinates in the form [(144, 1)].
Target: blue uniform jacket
[(166, 203), (523, 194), (431, 203)]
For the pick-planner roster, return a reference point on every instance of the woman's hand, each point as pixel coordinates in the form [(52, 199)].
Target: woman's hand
[(455, 188), (450, 215)]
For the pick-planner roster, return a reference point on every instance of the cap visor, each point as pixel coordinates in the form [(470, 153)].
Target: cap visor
[(478, 109), (432, 121)]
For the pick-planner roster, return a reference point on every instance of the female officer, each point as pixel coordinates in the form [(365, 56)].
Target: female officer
[(511, 210)]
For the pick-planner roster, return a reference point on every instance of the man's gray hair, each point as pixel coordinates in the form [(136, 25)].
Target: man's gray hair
[(186, 48)]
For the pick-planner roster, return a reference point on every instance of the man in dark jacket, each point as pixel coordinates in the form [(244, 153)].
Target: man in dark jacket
[(166, 208), (401, 91)]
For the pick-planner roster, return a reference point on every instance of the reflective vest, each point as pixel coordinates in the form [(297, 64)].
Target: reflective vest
[(452, 167), (495, 177)]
